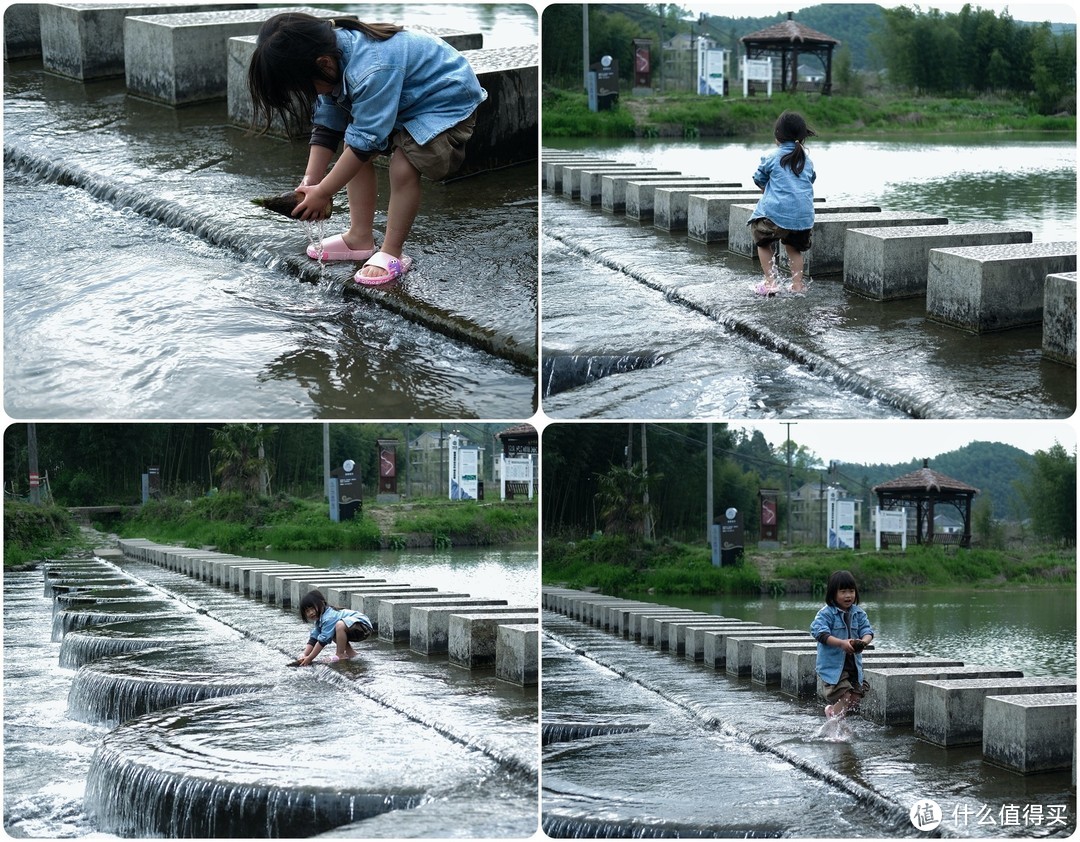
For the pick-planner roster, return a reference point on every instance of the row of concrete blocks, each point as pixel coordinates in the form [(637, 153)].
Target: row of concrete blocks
[(181, 55), (977, 277), (473, 632), (1023, 724)]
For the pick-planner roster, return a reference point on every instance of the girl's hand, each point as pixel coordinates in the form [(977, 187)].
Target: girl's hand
[(315, 204), (847, 647)]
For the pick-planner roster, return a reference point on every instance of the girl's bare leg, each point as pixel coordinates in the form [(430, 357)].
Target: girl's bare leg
[(404, 205), (362, 192), (768, 264), (344, 648), (797, 264)]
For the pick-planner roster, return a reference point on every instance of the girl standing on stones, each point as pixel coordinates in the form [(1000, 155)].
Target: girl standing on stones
[(785, 212), (383, 91), (842, 631), (340, 625)]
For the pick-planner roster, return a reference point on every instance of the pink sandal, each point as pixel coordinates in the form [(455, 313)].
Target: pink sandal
[(393, 267), (334, 248)]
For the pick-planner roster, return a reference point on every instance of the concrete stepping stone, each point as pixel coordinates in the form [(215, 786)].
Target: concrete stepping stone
[(1029, 734), (1059, 318)]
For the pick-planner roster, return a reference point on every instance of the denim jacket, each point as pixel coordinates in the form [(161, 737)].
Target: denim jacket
[(411, 80), (788, 199), (323, 630), (830, 659)]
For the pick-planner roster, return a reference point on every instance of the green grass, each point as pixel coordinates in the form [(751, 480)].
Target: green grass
[(33, 533)]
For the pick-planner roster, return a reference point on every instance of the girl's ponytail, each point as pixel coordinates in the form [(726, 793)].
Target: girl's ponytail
[(790, 126)]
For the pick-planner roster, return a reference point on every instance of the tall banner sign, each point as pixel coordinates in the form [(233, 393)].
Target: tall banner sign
[(464, 471), (841, 522), (769, 529), (388, 466), (642, 63), (711, 66)]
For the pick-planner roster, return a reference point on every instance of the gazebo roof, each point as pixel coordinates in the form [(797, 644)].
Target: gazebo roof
[(789, 32), (926, 481), (520, 431)]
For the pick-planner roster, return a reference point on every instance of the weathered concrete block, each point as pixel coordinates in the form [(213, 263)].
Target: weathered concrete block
[(552, 169), (798, 677), (613, 187), (517, 653), (590, 182), (1030, 733), (986, 288), (22, 31), (826, 255), (641, 622), (266, 582), (341, 594), (891, 700), (473, 636), (571, 175), (429, 625), (641, 195), (371, 603), (677, 631), (85, 41), (180, 59), (338, 585), (1059, 318), (395, 613), (670, 203), (714, 642), (245, 578), (950, 713), (659, 627), (740, 646), (694, 636), (707, 214), (766, 658), (890, 263)]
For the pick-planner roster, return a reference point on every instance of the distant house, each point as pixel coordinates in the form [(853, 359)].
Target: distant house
[(809, 511)]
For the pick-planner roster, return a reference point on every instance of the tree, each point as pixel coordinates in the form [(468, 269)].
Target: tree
[(1050, 491), (239, 455), (620, 500)]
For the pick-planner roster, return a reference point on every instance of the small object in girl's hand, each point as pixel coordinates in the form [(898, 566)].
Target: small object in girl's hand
[(285, 203), (294, 663), (858, 645)]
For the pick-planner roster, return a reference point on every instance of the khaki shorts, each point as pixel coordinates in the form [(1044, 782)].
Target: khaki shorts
[(834, 692), (440, 157), (765, 232)]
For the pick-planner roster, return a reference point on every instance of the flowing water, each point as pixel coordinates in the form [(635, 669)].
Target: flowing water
[(142, 283), (639, 742), (130, 728), (614, 287)]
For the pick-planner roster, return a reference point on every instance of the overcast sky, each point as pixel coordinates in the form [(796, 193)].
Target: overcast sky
[(869, 442), (1037, 12)]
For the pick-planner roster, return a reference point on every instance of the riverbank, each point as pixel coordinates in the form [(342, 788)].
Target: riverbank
[(566, 114), (614, 566), (233, 523)]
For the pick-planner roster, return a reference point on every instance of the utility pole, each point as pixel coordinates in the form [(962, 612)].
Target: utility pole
[(789, 425), (585, 45), (35, 477), (326, 459), (645, 481), (708, 484)]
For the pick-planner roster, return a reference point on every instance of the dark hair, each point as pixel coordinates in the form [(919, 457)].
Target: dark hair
[(285, 64), (838, 581), (790, 126), (312, 599)]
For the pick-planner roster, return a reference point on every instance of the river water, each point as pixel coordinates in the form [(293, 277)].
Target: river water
[(140, 281), (613, 286), (702, 752), (452, 751)]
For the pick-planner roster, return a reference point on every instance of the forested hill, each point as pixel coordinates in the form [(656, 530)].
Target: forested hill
[(991, 467)]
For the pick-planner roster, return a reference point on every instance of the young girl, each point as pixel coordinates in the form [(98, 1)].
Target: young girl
[(785, 213), (381, 90), (842, 631), (341, 625)]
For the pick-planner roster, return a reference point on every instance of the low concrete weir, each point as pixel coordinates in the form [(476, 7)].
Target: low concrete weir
[(566, 732), (121, 687), (942, 700), (210, 738), (561, 372)]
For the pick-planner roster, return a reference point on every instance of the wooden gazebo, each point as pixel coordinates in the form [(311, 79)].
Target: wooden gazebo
[(922, 491), (788, 41)]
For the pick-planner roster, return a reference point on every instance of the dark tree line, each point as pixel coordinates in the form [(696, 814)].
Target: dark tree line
[(594, 479), (972, 52), (101, 464)]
